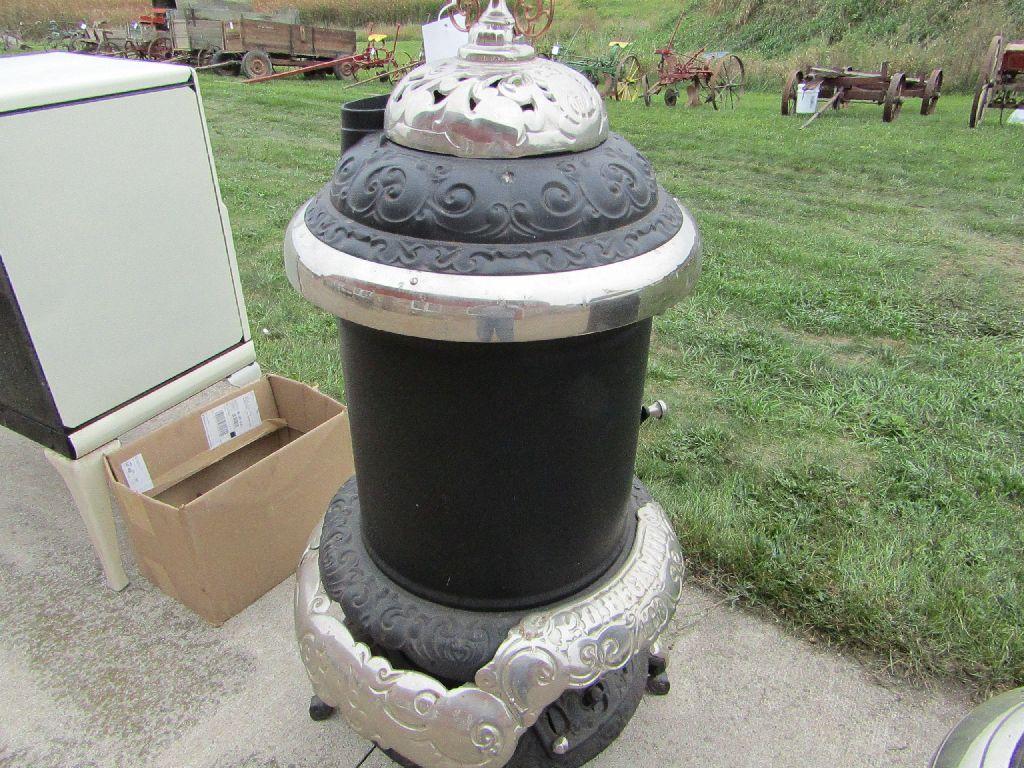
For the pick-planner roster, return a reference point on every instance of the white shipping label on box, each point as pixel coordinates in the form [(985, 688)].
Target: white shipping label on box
[(136, 474), (233, 418), (806, 99)]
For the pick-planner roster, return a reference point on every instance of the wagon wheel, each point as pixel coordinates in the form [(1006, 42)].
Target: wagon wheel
[(629, 79), (893, 98), (132, 50), (159, 49), (982, 97), (204, 56), (789, 92), (728, 79), (344, 70), (256, 63), (932, 91), (398, 67), (991, 62), (649, 90), (231, 66), (703, 91), (671, 96)]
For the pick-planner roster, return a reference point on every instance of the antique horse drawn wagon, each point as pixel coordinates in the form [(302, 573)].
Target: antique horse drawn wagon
[(841, 86), (1001, 84)]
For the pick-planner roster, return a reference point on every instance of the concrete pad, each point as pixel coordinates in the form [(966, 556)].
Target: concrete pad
[(94, 677)]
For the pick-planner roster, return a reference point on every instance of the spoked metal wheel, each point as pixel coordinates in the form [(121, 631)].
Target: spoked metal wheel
[(728, 81), (649, 88), (893, 101), (932, 90), (159, 49), (204, 57), (706, 92), (789, 92), (982, 97), (398, 67), (132, 50), (629, 79), (990, 65)]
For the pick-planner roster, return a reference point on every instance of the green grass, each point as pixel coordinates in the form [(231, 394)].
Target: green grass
[(846, 444)]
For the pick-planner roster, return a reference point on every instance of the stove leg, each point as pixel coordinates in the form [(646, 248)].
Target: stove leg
[(657, 674), (86, 479), (319, 709)]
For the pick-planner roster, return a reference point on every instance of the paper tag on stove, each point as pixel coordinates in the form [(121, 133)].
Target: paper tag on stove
[(233, 418), (136, 474)]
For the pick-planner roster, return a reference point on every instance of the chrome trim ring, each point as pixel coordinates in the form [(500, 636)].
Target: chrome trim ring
[(485, 308), (567, 646)]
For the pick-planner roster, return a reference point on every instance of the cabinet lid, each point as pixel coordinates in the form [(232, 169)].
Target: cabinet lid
[(43, 79)]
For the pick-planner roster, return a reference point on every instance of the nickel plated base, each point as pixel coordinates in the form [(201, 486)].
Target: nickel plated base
[(561, 683)]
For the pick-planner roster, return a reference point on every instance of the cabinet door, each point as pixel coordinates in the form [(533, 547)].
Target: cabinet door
[(111, 233)]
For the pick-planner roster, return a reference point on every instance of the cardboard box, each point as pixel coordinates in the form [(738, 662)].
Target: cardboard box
[(220, 504)]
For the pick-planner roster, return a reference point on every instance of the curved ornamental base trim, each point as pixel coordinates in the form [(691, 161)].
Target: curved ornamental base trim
[(567, 646)]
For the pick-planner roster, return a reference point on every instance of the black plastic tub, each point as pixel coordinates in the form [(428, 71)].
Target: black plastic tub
[(360, 118)]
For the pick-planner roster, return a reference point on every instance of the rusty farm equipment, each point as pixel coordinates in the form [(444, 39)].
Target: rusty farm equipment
[(1001, 84), (616, 74), (839, 87), (716, 78)]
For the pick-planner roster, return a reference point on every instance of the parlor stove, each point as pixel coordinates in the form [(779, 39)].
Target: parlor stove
[(490, 587)]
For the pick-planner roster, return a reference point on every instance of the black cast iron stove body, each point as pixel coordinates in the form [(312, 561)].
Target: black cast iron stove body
[(489, 588)]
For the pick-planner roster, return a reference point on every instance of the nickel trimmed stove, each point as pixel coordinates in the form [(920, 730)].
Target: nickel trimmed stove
[(490, 586)]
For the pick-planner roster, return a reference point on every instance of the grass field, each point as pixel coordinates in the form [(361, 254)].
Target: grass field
[(847, 385)]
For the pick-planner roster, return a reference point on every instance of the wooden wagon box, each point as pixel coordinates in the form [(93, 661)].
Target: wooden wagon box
[(291, 39), (1013, 59)]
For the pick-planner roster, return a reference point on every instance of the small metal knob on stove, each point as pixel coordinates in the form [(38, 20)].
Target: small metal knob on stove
[(655, 410)]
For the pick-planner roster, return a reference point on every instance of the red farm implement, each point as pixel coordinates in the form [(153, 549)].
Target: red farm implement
[(716, 78)]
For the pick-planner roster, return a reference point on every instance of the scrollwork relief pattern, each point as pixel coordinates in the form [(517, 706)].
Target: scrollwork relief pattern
[(547, 653), (551, 256), (472, 109), (391, 188)]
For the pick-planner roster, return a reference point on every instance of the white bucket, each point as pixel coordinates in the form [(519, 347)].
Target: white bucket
[(806, 99), (1017, 116)]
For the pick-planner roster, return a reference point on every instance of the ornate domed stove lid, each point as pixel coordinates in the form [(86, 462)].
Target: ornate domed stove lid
[(496, 163), (496, 99)]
